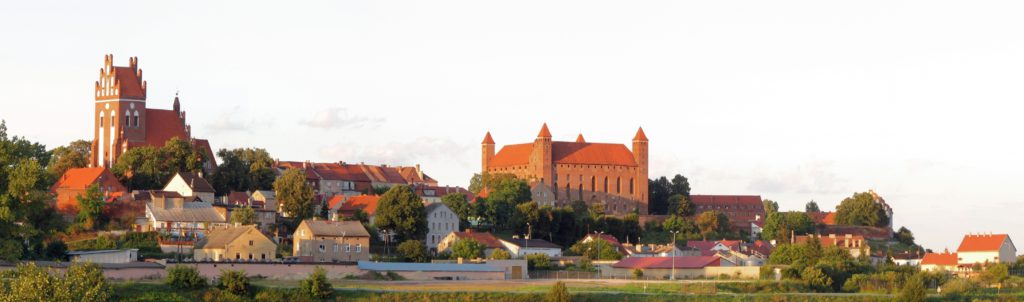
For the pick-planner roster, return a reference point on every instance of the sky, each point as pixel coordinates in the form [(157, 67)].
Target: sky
[(790, 100)]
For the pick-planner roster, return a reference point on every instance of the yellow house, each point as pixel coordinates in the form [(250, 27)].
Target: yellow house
[(331, 241), (243, 243)]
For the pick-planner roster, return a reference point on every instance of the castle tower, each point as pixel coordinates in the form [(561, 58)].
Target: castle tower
[(120, 110), (540, 160), (640, 155), (488, 151)]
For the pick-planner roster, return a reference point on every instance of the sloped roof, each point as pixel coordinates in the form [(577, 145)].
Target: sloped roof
[(568, 153), (131, 85), (383, 174), (335, 171), (544, 132), (198, 184), (485, 238), (487, 139), (367, 203), (434, 206), (982, 243), (426, 267), (940, 259), (191, 212), (826, 218), (640, 136), (335, 201), (79, 178), (681, 262), (329, 228), (203, 145), (161, 126), (220, 238), (537, 243), (731, 200), (412, 175)]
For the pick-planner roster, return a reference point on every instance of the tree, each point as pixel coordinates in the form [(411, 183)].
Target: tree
[(680, 205), (780, 225), (526, 213), (538, 261), (243, 169), (243, 216), (905, 236), (235, 282), (316, 285), (659, 190), (414, 251), (679, 224), (680, 186), (184, 277), (812, 207), (913, 290), (457, 203), (558, 293), (861, 209), (401, 211), (83, 282), (149, 168), (596, 249), (295, 194), (500, 254), (75, 155), (816, 279), (638, 274), (467, 249), (770, 206), (506, 192), (90, 207), (996, 273), (712, 223)]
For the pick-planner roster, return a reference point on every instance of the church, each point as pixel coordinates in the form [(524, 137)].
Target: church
[(559, 173), (122, 120)]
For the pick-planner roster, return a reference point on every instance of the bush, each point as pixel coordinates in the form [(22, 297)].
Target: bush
[(538, 261), (558, 293), (816, 279), (235, 282), (316, 285), (959, 287), (414, 251), (638, 273), (185, 277), (500, 254), (913, 290)]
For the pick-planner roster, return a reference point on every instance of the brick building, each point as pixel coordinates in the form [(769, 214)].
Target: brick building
[(742, 210), (562, 172), (122, 120), (76, 181)]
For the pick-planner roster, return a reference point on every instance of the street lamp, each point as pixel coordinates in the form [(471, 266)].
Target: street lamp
[(673, 276)]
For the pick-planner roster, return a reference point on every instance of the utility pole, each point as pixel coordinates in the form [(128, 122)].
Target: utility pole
[(673, 276), (527, 240)]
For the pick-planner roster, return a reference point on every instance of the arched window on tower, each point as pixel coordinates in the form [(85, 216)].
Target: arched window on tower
[(618, 185), (581, 191), (593, 184), (606, 184), (136, 118), (127, 118), (631, 186)]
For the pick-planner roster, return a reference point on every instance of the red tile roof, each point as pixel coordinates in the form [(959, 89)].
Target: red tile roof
[(367, 203), (204, 147), (826, 218), (335, 171), (412, 175), (487, 139), (940, 259), (238, 198), (730, 200), (161, 126), (78, 178), (705, 246), (131, 85), (544, 133), (568, 153), (485, 238), (335, 200), (640, 136), (982, 243), (579, 138), (683, 262)]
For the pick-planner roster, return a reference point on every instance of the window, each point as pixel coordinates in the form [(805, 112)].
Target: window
[(136, 118), (359, 248), (250, 242), (606, 184), (127, 118), (238, 256), (630, 186), (250, 256), (322, 248), (335, 248), (618, 185), (348, 248), (263, 256)]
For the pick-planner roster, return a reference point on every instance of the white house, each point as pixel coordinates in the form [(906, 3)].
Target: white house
[(191, 185), (105, 256), (939, 262), (524, 247), (440, 221), (986, 248)]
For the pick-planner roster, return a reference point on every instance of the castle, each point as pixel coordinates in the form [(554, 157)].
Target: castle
[(122, 120), (562, 172)]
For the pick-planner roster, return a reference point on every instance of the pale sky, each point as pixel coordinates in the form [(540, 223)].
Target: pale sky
[(790, 100)]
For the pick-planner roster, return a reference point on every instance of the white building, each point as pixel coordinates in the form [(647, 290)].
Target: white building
[(169, 213), (105, 256), (191, 185), (986, 248), (440, 222), (520, 248)]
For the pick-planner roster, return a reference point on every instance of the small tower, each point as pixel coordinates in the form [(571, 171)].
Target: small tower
[(487, 153), (540, 159), (177, 104), (640, 155), (579, 139)]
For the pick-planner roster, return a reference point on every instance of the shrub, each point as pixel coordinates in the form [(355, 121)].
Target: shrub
[(960, 286), (558, 293), (913, 290), (538, 261), (316, 285), (500, 254), (638, 273), (84, 282), (235, 282), (816, 279), (185, 277)]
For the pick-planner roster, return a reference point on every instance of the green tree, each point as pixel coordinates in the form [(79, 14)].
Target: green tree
[(995, 273), (680, 186), (295, 194), (457, 203), (243, 216), (538, 261), (75, 155), (468, 249), (659, 190), (861, 209), (184, 277), (780, 225), (816, 279), (596, 249), (149, 168), (506, 192), (90, 208), (638, 274), (913, 290), (905, 236), (414, 251), (558, 293), (243, 169), (233, 281), (681, 205), (812, 207), (500, 254), (770, 206), (316, 285), (32, 283), (83, 282), (679, 224), (401, 211), (712, 223), (527, 213)]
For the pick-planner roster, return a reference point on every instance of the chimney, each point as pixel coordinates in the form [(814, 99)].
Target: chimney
[(418, 171)]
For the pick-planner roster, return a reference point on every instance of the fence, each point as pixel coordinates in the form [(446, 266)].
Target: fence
[(594, 275)]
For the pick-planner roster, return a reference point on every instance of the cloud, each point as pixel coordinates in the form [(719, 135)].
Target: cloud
[(336, 118)]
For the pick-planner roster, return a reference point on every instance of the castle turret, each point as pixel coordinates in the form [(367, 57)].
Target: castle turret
[(541, 160), (488, 152), (640, 155)]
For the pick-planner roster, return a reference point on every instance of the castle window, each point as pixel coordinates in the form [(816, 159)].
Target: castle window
[(618, 185), (581, 191), (136, 118), (606, 184), (127, 119), (593, 183), (630, 186)]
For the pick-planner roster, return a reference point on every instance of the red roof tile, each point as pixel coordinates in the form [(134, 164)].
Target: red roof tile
[(940, 259), (640, 136), (568, 153), (383, 174), (579, 138), (131, 85), (683, 262), (826, 218), (487, 139), (78, 178), (335, 200), (544, 133), (982, 243), (485, 238), (367, 203), (161, 126)]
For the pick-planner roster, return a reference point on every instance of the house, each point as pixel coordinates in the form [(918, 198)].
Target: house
[(854, 244), (241, 243), (169, 213), (433, 194), (686, 267), (490, 242), (986, 248), (105, 256), (264, 219), (658, 250), (441, 221), (241, 199), (605, 238), (742, 210), (906, 258), (190, 184), (267, 198), (347, 206), (331, 241), (523, 247), (710, 248), (76, 181), (944, 262), (734, 251)]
